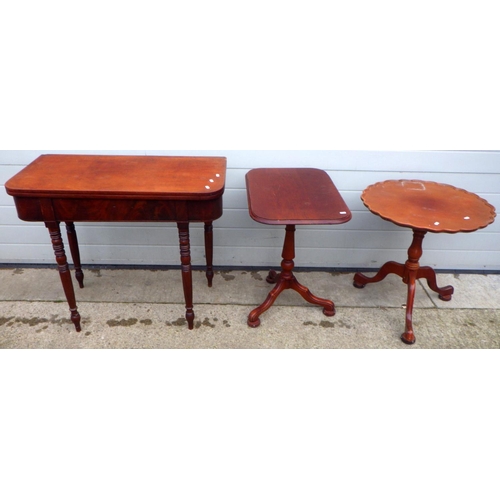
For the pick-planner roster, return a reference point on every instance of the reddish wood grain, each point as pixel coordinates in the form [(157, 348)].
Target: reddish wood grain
[(281, 196), (430, 206), (93, 176), (77, 188), (423, 206), (292, 196)]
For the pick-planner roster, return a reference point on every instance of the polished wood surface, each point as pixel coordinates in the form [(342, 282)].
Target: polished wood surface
[(147, 177), (429, 206), (290, 197), (422, 206), (85, 188), (294, 196)]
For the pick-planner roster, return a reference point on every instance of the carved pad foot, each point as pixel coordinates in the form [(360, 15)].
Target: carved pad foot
[(272, 277), (329, 312), (357, 284), (253, 323), (408, 338), (445, 298)]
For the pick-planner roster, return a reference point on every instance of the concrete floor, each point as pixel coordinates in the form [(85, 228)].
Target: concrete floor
[(123, 308)]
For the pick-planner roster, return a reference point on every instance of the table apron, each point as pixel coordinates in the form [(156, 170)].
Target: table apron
[(116, 210)]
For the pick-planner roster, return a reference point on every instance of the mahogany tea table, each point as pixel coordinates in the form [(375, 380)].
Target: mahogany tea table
[(290, 197), (422, 206), (98, 188)]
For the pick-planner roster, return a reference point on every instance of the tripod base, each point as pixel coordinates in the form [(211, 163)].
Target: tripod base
[(410, 272), (286, 280)]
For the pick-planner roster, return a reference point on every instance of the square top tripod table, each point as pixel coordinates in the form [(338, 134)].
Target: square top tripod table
[(94, 188), (290, 197), (422, 206)]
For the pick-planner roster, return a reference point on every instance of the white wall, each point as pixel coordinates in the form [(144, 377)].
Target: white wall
[(365, 242)]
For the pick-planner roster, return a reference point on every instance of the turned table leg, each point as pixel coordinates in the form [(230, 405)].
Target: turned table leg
[(75, 252), (187, 277), (286, 280), (64, 273), (209, 251)]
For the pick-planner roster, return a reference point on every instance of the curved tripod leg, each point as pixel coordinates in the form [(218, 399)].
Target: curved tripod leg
[(412, 269), (253, 317), (328, 305), (360, 280), (408, 336), (429, 274)]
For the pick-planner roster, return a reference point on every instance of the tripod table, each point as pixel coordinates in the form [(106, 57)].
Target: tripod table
[(422, 206), (290, 197)]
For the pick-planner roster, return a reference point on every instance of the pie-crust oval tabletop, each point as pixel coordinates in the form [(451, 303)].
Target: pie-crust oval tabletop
[(429, 206)]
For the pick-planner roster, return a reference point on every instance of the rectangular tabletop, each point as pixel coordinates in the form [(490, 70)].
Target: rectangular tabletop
[(137, 177), (294, 196), (90, 188), (102, 188)]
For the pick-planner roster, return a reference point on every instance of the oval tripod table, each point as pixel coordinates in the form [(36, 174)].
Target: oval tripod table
[(422, 206), (290, 197)]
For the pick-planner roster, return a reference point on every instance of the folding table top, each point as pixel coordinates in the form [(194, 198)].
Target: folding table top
[(102, 176)]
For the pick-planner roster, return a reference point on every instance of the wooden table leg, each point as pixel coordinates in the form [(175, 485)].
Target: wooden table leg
[(64, 273), (429, 274), (209, 251), (286, 280), (187, 277), (410, 272), (75, 252), (360, 280), (410, 278)]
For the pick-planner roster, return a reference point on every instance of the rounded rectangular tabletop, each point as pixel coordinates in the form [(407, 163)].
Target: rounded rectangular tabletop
[(294, 196), (145, 177)]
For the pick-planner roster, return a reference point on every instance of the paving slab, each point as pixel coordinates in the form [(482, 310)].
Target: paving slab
[(43, 325), (236, 287), (472, 291), (144, 309)]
